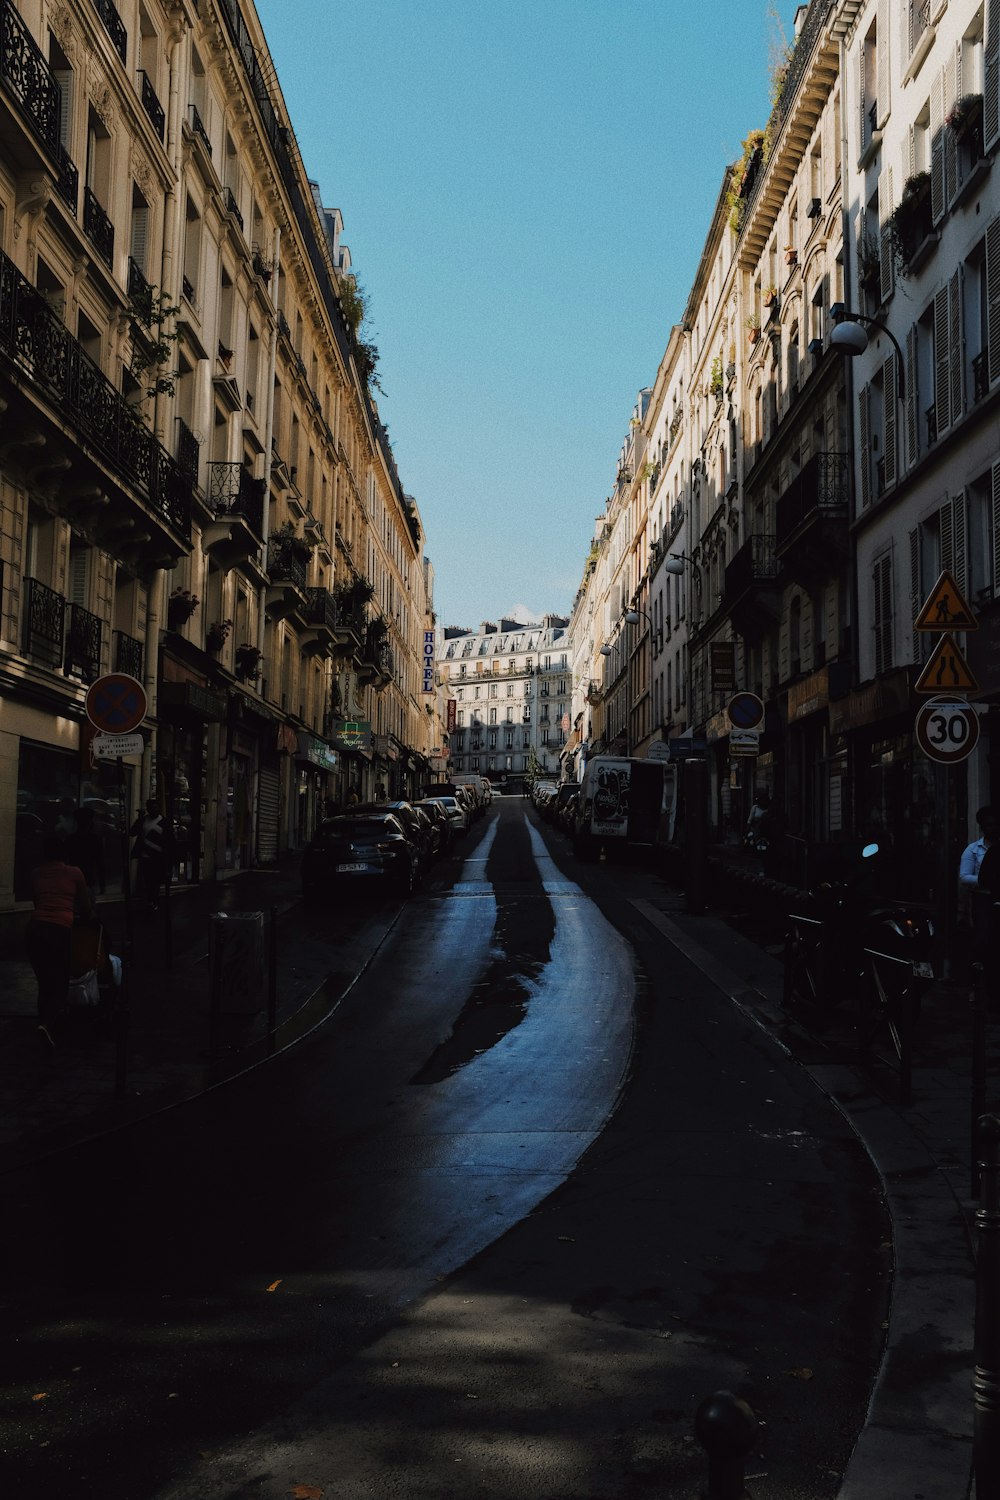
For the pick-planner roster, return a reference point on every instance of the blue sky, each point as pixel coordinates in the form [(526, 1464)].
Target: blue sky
[(526, 189)]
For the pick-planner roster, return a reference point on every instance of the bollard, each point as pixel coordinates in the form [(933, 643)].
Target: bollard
[(986, 1380), (726, 1428)]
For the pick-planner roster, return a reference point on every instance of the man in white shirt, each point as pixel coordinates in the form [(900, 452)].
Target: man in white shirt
[(973, 854)]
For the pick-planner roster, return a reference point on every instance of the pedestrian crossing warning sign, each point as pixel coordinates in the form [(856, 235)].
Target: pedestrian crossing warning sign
[(946, 669), (945, 608)]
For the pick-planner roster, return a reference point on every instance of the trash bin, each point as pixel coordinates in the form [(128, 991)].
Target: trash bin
[(236, 961)]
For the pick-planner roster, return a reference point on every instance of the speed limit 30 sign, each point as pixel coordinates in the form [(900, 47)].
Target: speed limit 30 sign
[(947, 730)]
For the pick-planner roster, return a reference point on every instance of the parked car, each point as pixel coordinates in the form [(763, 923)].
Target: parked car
[(440, 823), (416, 824), (357, 848), (458, 816), (563, 805), (541, 793)]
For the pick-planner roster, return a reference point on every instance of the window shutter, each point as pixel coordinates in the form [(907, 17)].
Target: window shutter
[(64, 83), (947, 534), (882, 62), (889, 383), (911, 152), (912, 396), (937, 146), (865, 427), (942, 363), (886, 264), (882, 611), (960, 557), (995, 519), (862, 110), (991, 82), (956, 346), (993, 297), (915, 596), (952, 74), (139, 236)]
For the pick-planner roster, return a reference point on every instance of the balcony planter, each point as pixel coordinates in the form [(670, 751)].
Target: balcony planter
[(769, 296), (965, 115), (217, 635), (753, 329), (248, 660), (912, 222), (791, 256), (180, 607)]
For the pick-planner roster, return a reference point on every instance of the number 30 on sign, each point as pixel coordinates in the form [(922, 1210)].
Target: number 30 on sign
[(947, 730)]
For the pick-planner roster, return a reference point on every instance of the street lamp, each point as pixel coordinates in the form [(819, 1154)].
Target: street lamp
[(849, 337), (632, 618)]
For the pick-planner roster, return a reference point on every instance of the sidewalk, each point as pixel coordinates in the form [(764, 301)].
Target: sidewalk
[(47, 1100)]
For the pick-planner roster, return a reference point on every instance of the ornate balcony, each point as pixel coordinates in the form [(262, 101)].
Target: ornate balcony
[(236, 500), (188, 450), (128, 655), (198, 127), (320, 618), (376, 662), (57, 385), (99, 227), (286, 570), (811, 533), (113, 25), (30, 83), (752, 598), (151, 104), (44, 623), (83, 644), (232, 207)]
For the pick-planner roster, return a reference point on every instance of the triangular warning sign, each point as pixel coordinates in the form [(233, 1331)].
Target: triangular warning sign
[(945, 608), (947, 670)]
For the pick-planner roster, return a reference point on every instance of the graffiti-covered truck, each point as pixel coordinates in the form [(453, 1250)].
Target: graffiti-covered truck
[(624, 803)]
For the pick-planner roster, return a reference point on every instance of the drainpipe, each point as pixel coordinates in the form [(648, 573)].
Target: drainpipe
[(272, 357), (156, 598), (852, 582)]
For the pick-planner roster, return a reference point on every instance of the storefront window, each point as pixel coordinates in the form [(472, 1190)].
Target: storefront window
[(49, 792)]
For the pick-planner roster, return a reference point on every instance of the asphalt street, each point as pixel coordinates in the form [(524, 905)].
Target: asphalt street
[(406, 1258)]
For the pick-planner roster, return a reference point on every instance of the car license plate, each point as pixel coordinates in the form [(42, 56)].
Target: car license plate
[(923, 970), (345, 869)]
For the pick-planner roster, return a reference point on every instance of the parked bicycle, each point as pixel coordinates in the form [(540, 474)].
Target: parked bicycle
[(865, 961)]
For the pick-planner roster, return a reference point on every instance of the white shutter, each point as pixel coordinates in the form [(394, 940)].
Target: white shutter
[(937, 146), (952, 74), (882, 62), (960, 559), (956, 346), (889, 381), (942, 363), (993, 297), (912, 397), (862, 111), (865, 429), (886, 262), (991, 84), (139, 234)]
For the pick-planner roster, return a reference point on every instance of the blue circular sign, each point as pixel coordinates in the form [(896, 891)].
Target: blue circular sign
[(745, 710), (116, 704)]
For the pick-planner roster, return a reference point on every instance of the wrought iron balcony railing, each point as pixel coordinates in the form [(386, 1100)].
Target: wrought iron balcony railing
[(99, 227), (27, 76), (198, 126), (321, 609), (44, 622), (822, 486), (755, 563), (284, 564), (114, 25), (44, 350), (233, 491), (83, 644), (151, 104), (188, 450), (128, 655), (232, 206), (139, 289)]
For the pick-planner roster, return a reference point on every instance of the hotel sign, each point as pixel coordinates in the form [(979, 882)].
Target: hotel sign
[(428, 661)]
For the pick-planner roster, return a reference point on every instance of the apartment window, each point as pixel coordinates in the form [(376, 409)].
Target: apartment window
[(493, 715), (63, 74), (882, 613), (139, 231), (98, 174)]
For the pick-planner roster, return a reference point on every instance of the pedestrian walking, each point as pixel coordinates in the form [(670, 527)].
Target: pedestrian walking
[(59, 892), (151, 850), (976, 878)]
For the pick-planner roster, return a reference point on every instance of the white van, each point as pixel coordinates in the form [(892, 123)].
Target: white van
[(621, 804)]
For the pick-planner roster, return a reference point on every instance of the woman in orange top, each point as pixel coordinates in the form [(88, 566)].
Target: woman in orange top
[(59, 891)]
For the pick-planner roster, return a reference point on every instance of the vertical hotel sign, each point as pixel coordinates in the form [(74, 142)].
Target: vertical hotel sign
[(428, 661)]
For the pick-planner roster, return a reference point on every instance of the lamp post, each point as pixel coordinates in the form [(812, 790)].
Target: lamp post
[(848, 337)]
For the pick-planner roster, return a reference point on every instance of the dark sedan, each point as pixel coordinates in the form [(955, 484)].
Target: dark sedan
[(357, 848)]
